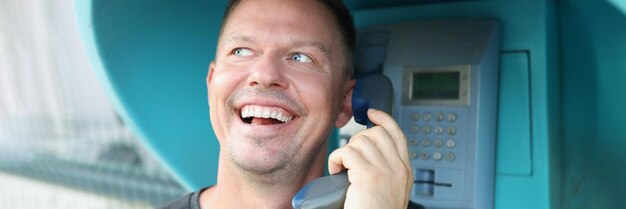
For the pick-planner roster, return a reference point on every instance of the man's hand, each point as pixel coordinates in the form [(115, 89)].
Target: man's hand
[(378, 165)]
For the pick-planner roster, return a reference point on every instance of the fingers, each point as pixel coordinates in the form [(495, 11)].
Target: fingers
[(381, 140), (345, 157), (392, 128), (361, 147)]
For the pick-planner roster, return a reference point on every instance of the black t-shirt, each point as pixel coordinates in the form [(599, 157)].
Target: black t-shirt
[(192, 201)]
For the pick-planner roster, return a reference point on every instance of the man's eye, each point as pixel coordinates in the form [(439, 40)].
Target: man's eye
[(301, 58), (242, 52)]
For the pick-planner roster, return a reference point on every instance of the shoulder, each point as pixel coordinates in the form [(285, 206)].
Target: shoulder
[(189, 201), (180, 203), (413, 205)]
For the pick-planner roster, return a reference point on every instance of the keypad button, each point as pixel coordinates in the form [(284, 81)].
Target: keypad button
[(413, 142), (415, 116), (426, 129), (438, 130), (437, 156), (425, 155), (451, 117), (427, 116), (451, 130), (450, 143), (450, 156), (415, 129), (426, 142), (438, 143), (439, 116), (413, 154)]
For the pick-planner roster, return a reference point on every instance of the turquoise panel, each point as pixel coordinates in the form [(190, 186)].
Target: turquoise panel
[(619, 4), (152, 57), (514, 130), (593, 49)]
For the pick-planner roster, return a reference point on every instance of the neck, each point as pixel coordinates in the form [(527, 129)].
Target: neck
[(237, 189)]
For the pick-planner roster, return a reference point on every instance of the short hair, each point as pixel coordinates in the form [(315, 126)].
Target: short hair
[(343, 20)]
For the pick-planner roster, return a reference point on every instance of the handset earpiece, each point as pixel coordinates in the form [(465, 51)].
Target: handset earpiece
[(371, 91)]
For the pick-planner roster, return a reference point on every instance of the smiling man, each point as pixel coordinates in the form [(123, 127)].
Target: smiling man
[(280, 81)]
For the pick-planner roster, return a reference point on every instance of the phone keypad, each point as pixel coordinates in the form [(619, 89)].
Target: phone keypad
[(438, 130), (438, 143), (437, 156), (439, 117), (451, 117), (450, 143), (426, 129), (431, 136), (451, 130), (450, 156), (427, 116)]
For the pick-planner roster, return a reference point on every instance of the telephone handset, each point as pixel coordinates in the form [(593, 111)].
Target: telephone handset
[(370, 91)]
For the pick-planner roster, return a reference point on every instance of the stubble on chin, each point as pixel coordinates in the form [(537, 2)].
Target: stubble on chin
[(261, 163)]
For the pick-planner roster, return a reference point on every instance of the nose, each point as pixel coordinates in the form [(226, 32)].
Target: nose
[(267, 72)]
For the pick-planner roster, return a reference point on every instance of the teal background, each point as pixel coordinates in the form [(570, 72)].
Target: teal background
[(562, 87), (593, 56)]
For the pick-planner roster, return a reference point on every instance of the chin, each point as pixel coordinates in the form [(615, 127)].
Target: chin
[(266, 166), (260, 160)]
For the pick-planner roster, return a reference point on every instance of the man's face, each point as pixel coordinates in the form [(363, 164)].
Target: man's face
[(276, 86)]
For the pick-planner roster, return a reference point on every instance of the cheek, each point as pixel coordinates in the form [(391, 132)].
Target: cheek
[(316, 93), (222, 84)]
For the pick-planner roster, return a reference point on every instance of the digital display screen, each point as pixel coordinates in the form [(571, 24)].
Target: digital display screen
[(435, 85)]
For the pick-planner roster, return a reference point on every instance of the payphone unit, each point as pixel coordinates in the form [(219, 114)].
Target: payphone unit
[(444, 76)]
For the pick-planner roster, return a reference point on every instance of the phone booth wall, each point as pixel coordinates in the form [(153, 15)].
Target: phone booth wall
[(560, 103), (152, 57)]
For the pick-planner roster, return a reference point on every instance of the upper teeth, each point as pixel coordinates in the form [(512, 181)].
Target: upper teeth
[(265, 112)]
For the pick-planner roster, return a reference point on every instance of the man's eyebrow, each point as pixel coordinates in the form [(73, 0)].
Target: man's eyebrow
[(235, 38)]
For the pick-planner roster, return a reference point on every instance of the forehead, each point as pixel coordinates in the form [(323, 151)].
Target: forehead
[(288, 20)]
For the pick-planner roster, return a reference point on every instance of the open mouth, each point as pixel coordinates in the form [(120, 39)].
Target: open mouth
[(260, 115)]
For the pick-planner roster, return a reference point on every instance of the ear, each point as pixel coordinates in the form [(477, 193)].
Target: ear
[(209, 76), (346, 106)]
